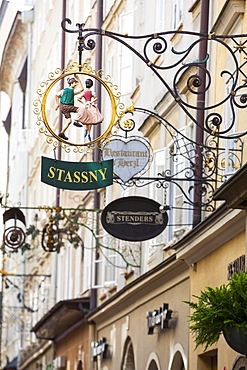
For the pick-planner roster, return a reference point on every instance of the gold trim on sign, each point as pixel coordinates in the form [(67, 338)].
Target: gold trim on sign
[(53, 78)]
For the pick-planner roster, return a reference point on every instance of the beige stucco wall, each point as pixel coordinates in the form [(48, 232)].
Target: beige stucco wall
[(126, 320), (212, 271), (75, 346)]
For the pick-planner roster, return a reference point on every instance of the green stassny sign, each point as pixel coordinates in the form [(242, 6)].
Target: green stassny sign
[(76, 175)]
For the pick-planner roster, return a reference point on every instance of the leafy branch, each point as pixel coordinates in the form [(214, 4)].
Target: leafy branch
[(99, 243)]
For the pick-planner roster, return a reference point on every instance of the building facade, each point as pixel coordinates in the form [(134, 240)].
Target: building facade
[(84, 299)]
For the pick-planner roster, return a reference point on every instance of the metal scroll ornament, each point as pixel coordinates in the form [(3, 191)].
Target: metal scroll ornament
[(47, 115), (14, 236)]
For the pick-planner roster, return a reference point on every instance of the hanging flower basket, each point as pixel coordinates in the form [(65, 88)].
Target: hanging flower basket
[(221, 310), (236, 338)]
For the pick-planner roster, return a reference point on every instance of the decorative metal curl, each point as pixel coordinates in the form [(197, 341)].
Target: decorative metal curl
[(14, 237), (194, 81), (90, 45), (127, 125), (67, 20), (205, 190), (240, 99), (159, 47), (213, 121)]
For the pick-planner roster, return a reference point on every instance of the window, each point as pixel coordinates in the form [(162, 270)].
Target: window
[(160, 22), (208, 360), (240, 363), (107, 6), (126, 55), (157, 167), (229, 162), (110, 261), (180, 154), (86, 8), (177, 165), (104, 264), (174, 162), (153, 366), (231, 159), (110, 70), (177, 13), (158, 193), (178, 362), (128, 362)]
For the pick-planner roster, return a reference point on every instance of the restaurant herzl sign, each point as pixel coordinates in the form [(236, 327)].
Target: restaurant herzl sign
[(134, 218), (130, 156), (76, 175)]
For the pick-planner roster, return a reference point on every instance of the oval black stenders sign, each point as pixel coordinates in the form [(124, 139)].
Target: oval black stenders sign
[(134, 218)]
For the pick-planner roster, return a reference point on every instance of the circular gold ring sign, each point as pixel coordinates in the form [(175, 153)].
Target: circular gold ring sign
[(46, 113)]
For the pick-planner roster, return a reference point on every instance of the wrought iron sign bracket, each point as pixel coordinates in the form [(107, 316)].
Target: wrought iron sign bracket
[(202, 175), (159, 42)]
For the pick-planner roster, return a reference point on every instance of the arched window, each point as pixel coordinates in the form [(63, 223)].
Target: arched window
[(177, 363), (240, 363), (128, 362), (153, 366), (153, 362)]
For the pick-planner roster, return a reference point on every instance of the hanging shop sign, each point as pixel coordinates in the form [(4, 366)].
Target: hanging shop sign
[(134, 218), (238, 266), (158, 317), (77, 104), (130, 156), (76, 175), (99, 348)]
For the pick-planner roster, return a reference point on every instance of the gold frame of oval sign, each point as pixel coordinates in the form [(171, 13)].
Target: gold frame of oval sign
[(44, 90), (9, 273)]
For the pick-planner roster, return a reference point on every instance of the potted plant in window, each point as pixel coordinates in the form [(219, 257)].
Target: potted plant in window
[(221, 310)]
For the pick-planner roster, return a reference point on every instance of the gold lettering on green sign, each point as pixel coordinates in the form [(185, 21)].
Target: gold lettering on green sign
[(77, 176), (103, 173), (68, 177), (60, 174), (84, 177), (51, 173)]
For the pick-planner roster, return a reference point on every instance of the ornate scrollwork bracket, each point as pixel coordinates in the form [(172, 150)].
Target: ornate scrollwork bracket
[(182, 64)]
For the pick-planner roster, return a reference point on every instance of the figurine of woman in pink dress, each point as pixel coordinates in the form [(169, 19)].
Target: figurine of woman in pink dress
[(88, 114)]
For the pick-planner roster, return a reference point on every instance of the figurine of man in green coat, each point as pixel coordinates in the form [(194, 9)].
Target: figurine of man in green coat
[(65, 101)]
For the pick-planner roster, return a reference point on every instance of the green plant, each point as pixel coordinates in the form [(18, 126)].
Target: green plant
[(219, 309)]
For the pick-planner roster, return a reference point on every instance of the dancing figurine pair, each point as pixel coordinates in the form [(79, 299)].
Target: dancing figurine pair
[(88, 114)]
